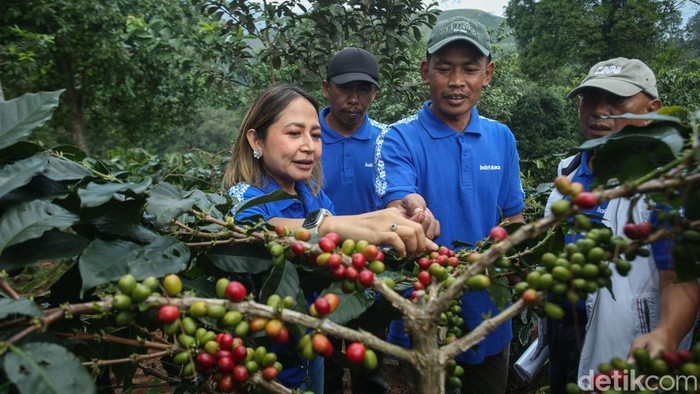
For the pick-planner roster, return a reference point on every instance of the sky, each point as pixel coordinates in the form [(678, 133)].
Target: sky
[(496, 7)]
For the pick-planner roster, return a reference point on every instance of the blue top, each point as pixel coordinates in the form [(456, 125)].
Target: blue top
[(470, 181), (348, 166), (289, 208), (291, 377)]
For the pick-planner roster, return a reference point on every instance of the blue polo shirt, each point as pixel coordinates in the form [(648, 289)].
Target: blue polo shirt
[(291, 376), (470, 180), (348, 166), (289, 208)]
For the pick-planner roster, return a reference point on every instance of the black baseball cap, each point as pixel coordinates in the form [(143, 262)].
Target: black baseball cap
[(353, 64)]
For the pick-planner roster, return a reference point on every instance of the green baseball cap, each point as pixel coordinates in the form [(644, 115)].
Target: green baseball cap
[(620, 76), (459, 28)]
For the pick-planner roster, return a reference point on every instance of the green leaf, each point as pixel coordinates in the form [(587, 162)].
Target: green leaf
[(22, 306), (20, 173), (499, 293), (96, 194), (123, 219), (239, 259), (283, 281), (53, 244), (70, 152), (207, 202), (277, 195), (20, 116), (19, 151), (104, 262), (62, 169), (633, 152), (167, 202), (351, 305), (46, 368), (31, 219)]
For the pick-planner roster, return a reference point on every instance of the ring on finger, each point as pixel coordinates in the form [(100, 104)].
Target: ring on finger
[(394, 226)]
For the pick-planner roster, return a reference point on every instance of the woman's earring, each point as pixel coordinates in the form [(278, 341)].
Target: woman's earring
[(257, 153)]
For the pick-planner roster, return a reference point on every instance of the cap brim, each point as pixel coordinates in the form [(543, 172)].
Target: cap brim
[(352, 77), (616, 87), (438, 45)]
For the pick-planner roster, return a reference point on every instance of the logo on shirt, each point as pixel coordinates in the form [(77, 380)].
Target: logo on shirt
[(489, 167), (369, 164)]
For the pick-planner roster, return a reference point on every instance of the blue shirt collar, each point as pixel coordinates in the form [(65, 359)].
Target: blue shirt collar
[(585, 157), (438, 129), (330, 136)]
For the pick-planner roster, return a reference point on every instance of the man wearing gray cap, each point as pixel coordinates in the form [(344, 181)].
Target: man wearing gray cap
[(613, 87), (349, 135), (461, 171)]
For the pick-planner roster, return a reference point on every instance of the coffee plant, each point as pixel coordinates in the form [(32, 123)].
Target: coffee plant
[(151, 276)]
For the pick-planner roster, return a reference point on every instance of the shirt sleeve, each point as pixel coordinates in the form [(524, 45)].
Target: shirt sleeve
[(514, 196), (396, 175), (244, 193)]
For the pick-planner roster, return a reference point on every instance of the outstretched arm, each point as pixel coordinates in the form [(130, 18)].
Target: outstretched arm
[(377, 227)]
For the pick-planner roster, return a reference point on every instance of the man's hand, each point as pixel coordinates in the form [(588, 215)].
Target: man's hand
[(413, 207), (654, 342)]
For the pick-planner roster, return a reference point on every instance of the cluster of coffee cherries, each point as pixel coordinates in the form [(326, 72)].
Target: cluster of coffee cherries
[(452, 320), (317, 344), (353, 263), (438, 267), (582, 268), (670, 371), (220, 355), (453, 378)]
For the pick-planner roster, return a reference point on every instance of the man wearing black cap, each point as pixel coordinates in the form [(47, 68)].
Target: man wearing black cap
[(349, 135), (464, 168), (616, 87)]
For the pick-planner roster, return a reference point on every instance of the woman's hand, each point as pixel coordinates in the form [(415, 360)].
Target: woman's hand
[(384, 227)]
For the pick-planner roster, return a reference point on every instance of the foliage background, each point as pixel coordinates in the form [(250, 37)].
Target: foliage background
[(158, 88)]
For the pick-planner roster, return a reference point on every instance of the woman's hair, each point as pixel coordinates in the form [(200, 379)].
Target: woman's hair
[(263, 112)]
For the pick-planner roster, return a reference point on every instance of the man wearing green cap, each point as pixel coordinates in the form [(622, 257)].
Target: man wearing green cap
[(460, 170), (614, 87)]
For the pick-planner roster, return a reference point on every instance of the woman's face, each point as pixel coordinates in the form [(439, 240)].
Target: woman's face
[(293, 144)]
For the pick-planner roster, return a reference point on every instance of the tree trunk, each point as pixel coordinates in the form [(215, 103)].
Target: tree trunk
[(2, 94), (430, 373), (74, 99)]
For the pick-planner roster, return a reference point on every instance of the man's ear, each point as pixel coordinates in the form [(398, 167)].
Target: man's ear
[(652, 106), (424, 72), (489, 74), (325, 85)]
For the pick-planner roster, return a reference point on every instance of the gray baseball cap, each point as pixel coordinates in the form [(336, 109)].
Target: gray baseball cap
[(459, 28), (620, 76)]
